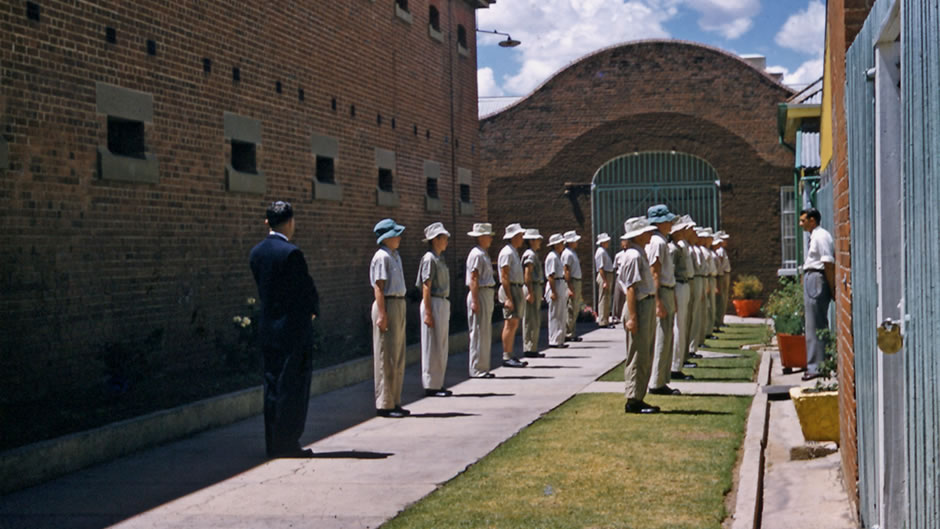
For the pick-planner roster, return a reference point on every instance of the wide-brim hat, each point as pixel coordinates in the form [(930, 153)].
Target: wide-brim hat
[(532, 233), (572, 236), (683, 222), (433, 230), (602, 238), (386, 228), (659, 213), (480, 229), (704, 232), (636, 226), (556, 238), (723, 235), (512, 230)]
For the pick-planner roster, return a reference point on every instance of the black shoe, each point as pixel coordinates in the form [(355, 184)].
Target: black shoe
[(665, 390), (639, 407), (679, 375), (486, 375), (533, 354), (695, 355), (689, 365), (294, 453), (559, 346), (573, 339), (438, 392), (514, 362), (711, 337), (397, 413), (809, 376)]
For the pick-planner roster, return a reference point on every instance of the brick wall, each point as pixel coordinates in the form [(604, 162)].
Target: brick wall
[(88, 261), (645, 96)]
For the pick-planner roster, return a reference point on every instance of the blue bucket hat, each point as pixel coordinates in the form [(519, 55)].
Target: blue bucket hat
[(658, 214), (387, 228)]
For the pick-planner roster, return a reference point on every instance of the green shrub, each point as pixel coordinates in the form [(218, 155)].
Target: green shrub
[(785, 307), (747, 287)]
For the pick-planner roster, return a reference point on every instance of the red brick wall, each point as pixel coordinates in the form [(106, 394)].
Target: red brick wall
[(87, 262), (646, 96)]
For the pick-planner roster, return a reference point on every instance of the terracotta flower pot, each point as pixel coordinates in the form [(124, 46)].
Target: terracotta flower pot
[(746, 308), (792, 351)]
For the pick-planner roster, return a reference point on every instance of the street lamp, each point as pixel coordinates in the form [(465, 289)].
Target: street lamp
[(508, 43)]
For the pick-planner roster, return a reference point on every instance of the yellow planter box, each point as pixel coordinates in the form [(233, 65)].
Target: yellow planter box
[(818, 414)]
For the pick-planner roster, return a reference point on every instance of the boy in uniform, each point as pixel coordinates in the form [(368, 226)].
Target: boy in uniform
[(479, 279), (388, 319), (663, 268), (639, 314), (534, 277), (510, 291), (569, 258), (604, 266), (434, 282), (556, 291)]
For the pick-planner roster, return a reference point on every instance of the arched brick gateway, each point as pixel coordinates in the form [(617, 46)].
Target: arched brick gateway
[(539, 156)]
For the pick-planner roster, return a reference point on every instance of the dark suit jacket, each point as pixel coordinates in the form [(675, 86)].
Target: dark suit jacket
[(288, 295)]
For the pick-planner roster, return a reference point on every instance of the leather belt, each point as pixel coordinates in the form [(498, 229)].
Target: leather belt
[(394, 297), (439, 296)]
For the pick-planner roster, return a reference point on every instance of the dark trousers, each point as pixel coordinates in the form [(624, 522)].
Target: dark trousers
[(286, 396), (816, 299)]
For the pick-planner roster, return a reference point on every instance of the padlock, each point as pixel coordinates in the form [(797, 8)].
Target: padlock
[(889, 337)]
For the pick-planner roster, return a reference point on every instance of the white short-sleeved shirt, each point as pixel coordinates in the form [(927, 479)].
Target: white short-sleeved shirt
[(602, 260), (508, 256), (724, 263), (570, 259), (685, 264), (657, 251), (480, 261), (434, 268), (618, 259), (386, 266), (553, 266), (635, 271), (530, 257), (712, 260), (821, 250)]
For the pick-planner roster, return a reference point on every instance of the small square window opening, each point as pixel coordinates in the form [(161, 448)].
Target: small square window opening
[(385, 180), (126, 137), (243, 157)]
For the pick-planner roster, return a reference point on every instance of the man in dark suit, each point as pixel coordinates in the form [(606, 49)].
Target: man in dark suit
[(288, 303)]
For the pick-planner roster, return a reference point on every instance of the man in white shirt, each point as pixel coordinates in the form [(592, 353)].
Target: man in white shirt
[(663, 268), (510, 291), (604, 266), (569, 258), (818, 286), (480, 283)]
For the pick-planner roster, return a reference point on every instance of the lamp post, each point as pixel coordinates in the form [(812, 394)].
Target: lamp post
[(508, 43)]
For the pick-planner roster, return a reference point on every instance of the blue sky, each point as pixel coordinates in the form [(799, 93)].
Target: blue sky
[(790, 33)]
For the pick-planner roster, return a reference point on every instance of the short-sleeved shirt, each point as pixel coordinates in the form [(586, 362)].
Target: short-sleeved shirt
[(635, 272), (657, 251), (508, 256), (434, 268), (821, 250), (712, 260), (480, 261), (698, 260), (602, 260), (685, 264), (386, 266), (529, 257), (724, 264), (553, 266), (618, 260), (570, 259)]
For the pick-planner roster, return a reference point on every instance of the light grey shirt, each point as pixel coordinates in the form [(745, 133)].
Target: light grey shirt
[(553, 266), (685, 265), (712, 259), (530, 257), (635, 272), (434, 268), (821, 250), (725, 263), (386, 266), (698, 258), (570, 259), (480, 261), (657, 251), (508, 256), (602, 260)]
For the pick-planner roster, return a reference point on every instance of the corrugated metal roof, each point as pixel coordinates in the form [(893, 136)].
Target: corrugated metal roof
[(811, 95), (809, 150)]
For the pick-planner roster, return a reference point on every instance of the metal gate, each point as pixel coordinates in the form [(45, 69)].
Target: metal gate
[(629, 184)]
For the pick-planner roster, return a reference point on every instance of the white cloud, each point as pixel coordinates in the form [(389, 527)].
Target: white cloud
[(729, 18), (486, 84), (807, 73), (805, 31)]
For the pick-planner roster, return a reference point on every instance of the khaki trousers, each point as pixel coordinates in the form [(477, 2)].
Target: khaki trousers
[(662, 348), (557, 312), (532, 320), (724, 283), (481, 332), (696, 312), (388, 353), (603, 298), (636, 372), (434, 343), (680, 350), (712, 302), (574, 307)]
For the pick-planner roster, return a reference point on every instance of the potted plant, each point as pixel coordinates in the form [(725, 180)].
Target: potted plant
[(747, 290), (817, 407), (785, 308)]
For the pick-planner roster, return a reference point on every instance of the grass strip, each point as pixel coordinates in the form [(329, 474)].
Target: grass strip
[(586, 464)]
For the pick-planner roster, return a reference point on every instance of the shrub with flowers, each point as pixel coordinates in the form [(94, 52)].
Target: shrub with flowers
[(246, 335), (785, 307)]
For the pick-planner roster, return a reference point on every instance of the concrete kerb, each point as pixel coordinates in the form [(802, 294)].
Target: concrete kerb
[(38, 462), (747, 510)]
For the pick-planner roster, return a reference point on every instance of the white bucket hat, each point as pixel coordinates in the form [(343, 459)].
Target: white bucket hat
[(572, 236), (682, 223), (556, 238), (512, 230), (433, 230), (603, 237), (723, 235), (636, 226), (704, 232), (481, 228), (532, 233)]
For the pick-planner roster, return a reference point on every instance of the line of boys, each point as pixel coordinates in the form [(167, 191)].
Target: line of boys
[(520, 286), (673, 282)]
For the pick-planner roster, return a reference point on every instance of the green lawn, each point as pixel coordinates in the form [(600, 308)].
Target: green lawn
[(586, 464)]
